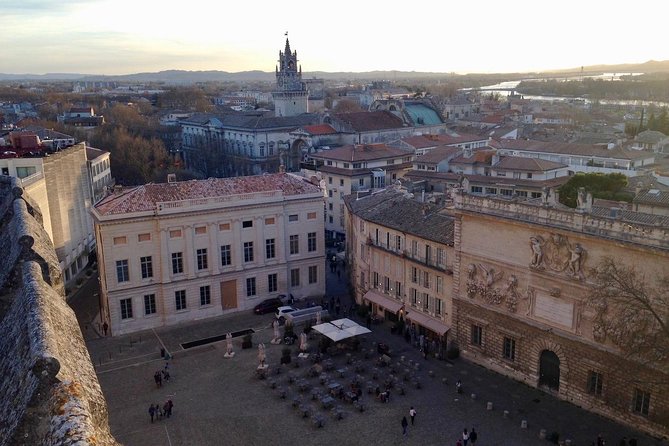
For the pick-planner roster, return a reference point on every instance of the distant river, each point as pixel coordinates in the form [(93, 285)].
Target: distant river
[(507, 87)]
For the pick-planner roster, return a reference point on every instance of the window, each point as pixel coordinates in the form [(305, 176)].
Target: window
[(224, 227), (491, 190), (345, 165), (414, 297), (426, 279), (506, 192), (386, 284), (361, 181), (269, 221), (330, 193), (426, 302), (149, 304), (509, 349), (202, 262), (529, 176), (311, 242), (330, 220), (122, 273), (247, 224), (293, 217), (201, 230), (313, 274), (23, 172), (205, 295), (329, 180), (477, 190), (398, 242), (147, 267), (226, 255), (126, 308), (250, 287), (398, 289), (535, 195), (248, 251), (476, 335), (414, 274), (120, 240), (330, 206), (341, 182), (295, 277), (270, 251), (357, 166), (438, 307), (294, 244), (175, 233), (441, 257), (311, 216), (180, 299), (272, 285), (641, 401), (177, 263), (440, 284), (522, 193), (414, 248), (144, 238), (594, 383), (375, 279)]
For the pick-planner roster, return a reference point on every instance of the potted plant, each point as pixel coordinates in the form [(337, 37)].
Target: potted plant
[(247, 341)]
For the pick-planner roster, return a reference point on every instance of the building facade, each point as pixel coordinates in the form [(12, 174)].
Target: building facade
[(401, 256), (354, 168), (519, 298), (291, 97), (189, 250)]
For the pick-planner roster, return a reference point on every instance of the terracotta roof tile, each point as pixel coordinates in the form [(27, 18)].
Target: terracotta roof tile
[(361, 152), (370, 121), (319, 129), (144, 198)]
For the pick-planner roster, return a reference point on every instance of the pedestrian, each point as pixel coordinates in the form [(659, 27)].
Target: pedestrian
[(166, 375), (369, 320), (169, 407), (412, 414), (157, 379), (600, 440), (458, 443), (405, 423), (465, 437), (166, 409), (152, 411), (473, 436), (105, 327)]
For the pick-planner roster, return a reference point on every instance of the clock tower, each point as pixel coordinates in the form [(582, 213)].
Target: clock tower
[(291, 96)]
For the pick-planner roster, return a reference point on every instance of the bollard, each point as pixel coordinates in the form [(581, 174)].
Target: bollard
[(523, 424), (473, 396), (489, 405), (542, 434), (506, 414)]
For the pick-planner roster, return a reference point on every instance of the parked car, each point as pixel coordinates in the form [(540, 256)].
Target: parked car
[(281, 312), (268, 305), (287, 299)]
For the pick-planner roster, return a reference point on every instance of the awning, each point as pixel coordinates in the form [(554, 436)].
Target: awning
[(386, 302), (340, 329), (426, 321)]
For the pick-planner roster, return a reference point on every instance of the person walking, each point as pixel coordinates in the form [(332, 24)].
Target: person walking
[(159, 411), (412, 414), (166, 375), (152, 411), (169, 407), (473, 436), (158, 379), (405, 424), (465, 437)]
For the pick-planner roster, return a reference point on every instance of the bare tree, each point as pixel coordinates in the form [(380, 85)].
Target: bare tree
[(631, 311)]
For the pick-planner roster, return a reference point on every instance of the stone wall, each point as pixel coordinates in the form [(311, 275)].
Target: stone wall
[(577, 360), (49, 393)]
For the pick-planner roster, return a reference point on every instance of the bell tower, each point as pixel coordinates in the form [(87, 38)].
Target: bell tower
[(291, 95)]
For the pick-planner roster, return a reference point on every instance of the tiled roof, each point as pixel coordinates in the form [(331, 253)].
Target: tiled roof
[(653, 196), (393, 209), (631, 216), (438, 154), (527, 164), (92, 153), (568, 149), (144, 198), (319, 129), (450, 177), (477, 157), (424, 141), (370, 121), (361, 152)]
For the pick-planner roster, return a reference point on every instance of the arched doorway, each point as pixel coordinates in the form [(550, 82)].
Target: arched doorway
[(549, 370)]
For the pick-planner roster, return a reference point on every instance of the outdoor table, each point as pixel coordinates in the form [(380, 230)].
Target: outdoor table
[(315, 394), (323, 378), (334, 388), (327, 402), (350, 397), (342, 372), (328, 365)]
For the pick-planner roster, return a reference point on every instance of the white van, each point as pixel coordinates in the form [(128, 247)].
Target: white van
[(305, 314)]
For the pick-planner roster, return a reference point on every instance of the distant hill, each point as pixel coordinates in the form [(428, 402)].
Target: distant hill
[(652, 66), (187, 77)]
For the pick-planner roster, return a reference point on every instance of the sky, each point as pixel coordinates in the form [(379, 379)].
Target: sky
[(467, 36)]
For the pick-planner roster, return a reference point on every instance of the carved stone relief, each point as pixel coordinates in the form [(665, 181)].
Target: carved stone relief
[(555, 253)]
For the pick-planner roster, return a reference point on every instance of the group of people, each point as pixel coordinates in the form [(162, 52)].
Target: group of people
[(600, 441), (156, 411), (162, 375)]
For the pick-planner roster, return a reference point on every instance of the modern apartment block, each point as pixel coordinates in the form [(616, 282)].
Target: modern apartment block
[(180, 251)]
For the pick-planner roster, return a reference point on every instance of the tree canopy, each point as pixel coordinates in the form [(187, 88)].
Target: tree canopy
[(607, 186)]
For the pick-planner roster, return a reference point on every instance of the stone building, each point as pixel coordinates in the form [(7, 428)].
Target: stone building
[(401, 256), (291, 97), (522, 273), (49, 392), (189, 250)]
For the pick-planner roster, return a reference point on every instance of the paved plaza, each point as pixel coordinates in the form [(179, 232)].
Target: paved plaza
[(221, 401)]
